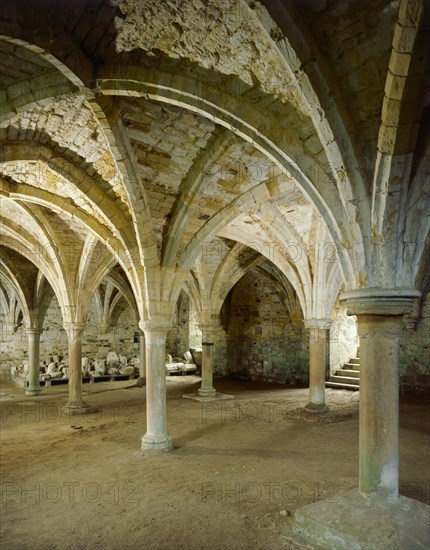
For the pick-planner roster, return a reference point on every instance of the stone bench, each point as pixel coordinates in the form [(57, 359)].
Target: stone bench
[(94, 377)]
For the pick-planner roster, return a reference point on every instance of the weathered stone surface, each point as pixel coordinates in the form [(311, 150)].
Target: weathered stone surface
[(240, 161), (263, 342), (376, 523)]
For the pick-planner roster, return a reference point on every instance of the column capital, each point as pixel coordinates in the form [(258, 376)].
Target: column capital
[(104, 327), (156, 324), (208, 331), (74, 329), (33, 330), (380, 301), (323, 324), (74, 325)]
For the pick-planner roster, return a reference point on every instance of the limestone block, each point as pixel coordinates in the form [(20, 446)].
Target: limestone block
[(112, 359), (399, 63), (404, 38)]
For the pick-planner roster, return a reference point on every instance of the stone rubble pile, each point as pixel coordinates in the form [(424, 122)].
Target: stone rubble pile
[(58, 367)]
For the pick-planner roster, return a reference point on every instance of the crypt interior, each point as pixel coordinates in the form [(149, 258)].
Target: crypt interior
[(215, 274)]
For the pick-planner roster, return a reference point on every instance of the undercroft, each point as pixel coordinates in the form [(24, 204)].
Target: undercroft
[(222, 196)]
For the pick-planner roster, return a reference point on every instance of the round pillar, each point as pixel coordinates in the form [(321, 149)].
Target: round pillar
[(33, 335), (142, 355), (206, 389), (318, 336), (379, 317), (75, 404), (156, 436)]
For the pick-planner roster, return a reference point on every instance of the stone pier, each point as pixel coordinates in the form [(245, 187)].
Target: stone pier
[(156, 436), (75, 403), (207, 389), (33, 335), (318, 337), (398, 522), (206, 392)]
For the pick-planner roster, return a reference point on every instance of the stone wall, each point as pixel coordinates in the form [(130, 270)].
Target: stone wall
[(415, 345), (185, 333), (262, 341), (14, 346), (119, 338), (53, 340), (343, 337), (195, 336)]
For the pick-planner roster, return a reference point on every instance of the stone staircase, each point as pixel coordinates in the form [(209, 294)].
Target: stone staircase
[(348, 377)]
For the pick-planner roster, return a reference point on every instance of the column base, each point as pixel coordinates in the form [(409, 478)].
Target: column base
[(208, 398), (349, 520), (79, 408), (161, 442), (35, 390), (140, 382), (211, 392), (315, 411)]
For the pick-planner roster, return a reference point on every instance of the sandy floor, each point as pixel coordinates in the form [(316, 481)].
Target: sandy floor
[(239, 469)]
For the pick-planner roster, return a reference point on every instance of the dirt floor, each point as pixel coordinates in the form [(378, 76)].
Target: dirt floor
[(239, 469)]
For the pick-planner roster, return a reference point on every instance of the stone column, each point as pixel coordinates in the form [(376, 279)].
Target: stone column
[(142, 356), (379, 317), (104, 327), (75, 404), (206, 389), (318, 336), (33, 335), (156, 436)]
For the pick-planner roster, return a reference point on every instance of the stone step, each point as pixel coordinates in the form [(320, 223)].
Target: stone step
[(344, 379), (351, 366), (351, 373), (347, 377), (340, 385)]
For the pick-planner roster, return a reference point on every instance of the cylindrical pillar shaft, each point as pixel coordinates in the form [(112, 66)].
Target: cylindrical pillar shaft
[(379, 314), (142, 355), (75, 363), (318, 338), (76, 404), (317, 355), (379, 404), (33, 335), (206, 388), (156, 436)]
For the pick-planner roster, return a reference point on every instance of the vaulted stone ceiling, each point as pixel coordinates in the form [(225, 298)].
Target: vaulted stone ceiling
[(147, 128)]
